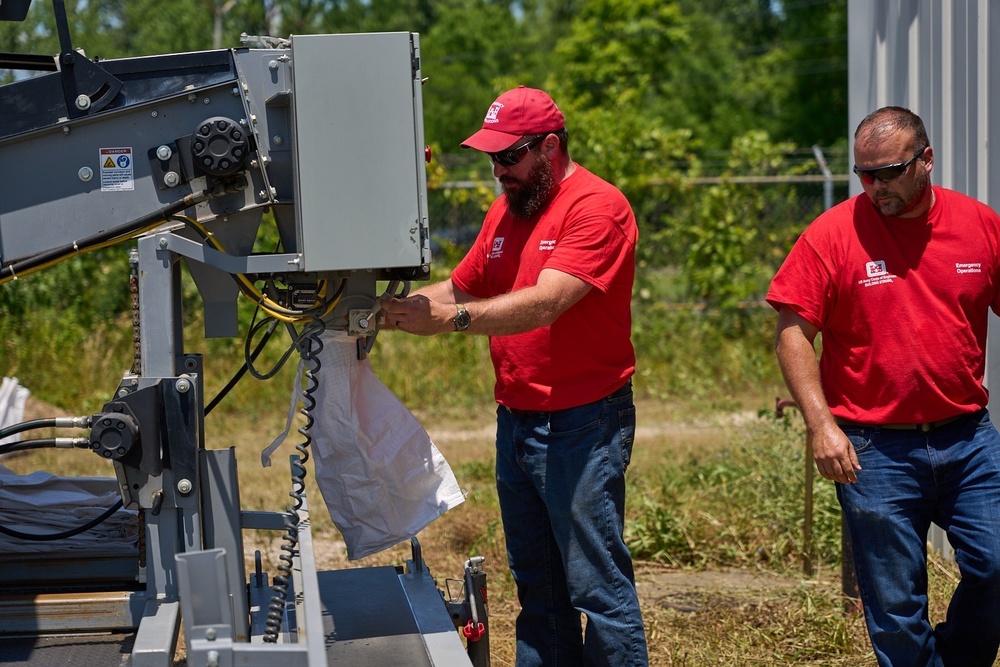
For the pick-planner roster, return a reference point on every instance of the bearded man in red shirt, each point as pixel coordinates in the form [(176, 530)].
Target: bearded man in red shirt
[(549, 280)]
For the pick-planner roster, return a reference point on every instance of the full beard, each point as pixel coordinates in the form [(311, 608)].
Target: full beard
[(896, 205), (526, 199)]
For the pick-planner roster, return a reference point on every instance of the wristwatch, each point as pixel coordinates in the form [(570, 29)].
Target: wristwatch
[(462, 319)]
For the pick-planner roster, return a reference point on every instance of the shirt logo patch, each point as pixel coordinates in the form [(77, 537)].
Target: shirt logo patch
[(877, 274), (497, 248), (547, 245), (492, 112), (968, 267), (875, 269)]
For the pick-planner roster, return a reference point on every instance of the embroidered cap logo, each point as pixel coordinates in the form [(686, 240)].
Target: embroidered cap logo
[(492, 113)]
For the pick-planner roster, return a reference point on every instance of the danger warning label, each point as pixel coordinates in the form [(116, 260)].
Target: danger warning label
[(116, 169)]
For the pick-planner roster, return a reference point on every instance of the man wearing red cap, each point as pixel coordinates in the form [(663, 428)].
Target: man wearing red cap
[(549, 280)]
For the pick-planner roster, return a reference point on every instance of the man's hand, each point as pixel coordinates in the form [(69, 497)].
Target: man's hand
[(835, 456), (418, 315)]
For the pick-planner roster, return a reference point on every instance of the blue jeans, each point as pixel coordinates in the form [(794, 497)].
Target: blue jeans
[(561, 484), (949, 476)]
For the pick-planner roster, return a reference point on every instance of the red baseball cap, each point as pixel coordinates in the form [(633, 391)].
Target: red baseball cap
[(514, 114)]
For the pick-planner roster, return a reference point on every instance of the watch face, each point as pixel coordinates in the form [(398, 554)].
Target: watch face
[(462, 320)]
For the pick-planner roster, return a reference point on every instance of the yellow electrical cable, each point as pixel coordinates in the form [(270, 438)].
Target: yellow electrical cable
[(252, 292)]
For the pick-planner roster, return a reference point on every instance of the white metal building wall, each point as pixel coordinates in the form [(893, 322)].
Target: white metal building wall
[(941, 59)]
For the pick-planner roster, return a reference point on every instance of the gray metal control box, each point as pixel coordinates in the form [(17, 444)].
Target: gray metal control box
[(359, 150)]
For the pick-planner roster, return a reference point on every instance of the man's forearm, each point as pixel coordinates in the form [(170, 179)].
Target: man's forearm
[(799, 367)]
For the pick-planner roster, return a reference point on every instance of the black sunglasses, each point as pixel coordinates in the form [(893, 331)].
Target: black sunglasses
[(889, 172), (512, 156)]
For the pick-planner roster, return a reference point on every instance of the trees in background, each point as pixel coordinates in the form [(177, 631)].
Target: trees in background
[(657, 92)]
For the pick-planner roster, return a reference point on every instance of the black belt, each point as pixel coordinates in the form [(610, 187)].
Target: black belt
[(925, 427), (522, 413)]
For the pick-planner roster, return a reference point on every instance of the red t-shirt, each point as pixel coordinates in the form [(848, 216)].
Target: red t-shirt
[(902, 306), (588, 230)]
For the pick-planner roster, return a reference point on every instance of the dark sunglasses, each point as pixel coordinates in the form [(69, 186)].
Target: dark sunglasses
[(889, 172), (512, 156)]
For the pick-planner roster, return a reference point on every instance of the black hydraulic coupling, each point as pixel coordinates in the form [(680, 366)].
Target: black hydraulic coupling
[(113, 434), (220, 146)]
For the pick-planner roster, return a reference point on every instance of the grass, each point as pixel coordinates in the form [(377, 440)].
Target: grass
[(709, 493), (732, 506)]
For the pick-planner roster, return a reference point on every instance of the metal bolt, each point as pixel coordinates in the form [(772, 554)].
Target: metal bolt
[(122, 393), (164, 152), (206, 101), (236, 92), (154, 114), (192, 97), (183, 386), (85, 174), (273, 65), (212, 659), (243, 122), (185, 486), (162, 242), (262, 194), (277, 140), (82, 102), (171, 179), (210, 634)]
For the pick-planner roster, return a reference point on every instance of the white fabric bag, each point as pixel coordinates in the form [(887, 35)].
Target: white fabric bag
[(382, 478), (12, 400)]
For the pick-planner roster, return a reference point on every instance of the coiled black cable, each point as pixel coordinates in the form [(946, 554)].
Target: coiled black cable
[(310, 345)]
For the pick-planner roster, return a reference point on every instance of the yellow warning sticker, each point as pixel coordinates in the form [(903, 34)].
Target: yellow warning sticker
[(116, 169)]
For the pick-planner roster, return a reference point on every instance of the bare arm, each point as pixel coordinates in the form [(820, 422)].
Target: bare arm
[(431, 309), (834, 453)]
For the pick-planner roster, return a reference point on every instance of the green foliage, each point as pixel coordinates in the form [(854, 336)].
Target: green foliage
[(648, 86), (741, 506), (727, 249)]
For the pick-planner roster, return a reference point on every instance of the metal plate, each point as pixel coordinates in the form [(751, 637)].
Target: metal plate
[(111, 650)]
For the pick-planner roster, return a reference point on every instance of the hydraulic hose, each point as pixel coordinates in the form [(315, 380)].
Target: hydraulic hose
[(102, 239)]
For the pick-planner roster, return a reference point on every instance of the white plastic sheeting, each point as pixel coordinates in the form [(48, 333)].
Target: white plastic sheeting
[(41, 503)]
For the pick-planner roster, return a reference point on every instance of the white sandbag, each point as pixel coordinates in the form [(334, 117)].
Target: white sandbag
[(12, 399), (382, 478)]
